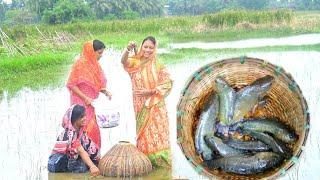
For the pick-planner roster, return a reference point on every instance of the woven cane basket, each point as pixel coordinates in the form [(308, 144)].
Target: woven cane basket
[(124, 160), (286, 102)]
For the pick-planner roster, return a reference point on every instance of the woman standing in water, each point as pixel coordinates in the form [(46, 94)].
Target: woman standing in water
[(85, 82), (151, 84)]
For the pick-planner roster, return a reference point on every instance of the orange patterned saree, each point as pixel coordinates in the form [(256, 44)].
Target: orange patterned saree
[(151, 113)]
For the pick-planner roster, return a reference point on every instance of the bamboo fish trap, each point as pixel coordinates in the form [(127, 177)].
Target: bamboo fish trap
[(124, 160), (286, 102)]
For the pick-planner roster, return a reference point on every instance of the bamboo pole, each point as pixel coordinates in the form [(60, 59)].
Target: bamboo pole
[(6, 45)]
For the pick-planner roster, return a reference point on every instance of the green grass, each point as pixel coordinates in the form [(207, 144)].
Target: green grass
[(35, 79), (33, 72), (117, 33), (152, 25), (51, 70), (25, 64), (231, 18), (236, 34)]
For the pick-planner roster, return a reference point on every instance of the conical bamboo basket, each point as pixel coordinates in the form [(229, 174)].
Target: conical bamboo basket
[(286, 102), (124, 160)]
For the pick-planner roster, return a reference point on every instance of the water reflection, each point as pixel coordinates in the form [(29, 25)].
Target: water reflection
[(154, 175)]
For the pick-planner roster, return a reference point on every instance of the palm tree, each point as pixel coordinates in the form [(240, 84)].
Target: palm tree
[(117, 7)]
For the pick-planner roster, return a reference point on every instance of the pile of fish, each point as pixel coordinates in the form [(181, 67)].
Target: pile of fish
[(261, 144)]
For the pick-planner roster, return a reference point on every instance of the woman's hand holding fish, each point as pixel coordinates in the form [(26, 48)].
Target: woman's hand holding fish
[(107, 93), (131, 46)]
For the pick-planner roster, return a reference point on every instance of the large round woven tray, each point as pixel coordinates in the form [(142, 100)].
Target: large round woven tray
[(286, 102)]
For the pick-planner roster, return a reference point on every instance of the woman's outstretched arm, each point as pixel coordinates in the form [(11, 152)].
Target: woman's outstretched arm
[(94, 171), (124, 58), (125, 54)]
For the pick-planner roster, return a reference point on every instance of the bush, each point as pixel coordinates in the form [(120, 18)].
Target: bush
[(67, 11), (130, 15), (15, 17), (110, 17)]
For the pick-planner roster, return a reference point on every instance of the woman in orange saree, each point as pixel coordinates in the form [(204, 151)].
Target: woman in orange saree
[(151, 84), (85, 82)]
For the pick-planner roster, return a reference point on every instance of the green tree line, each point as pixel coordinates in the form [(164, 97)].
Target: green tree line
[(64, 11), (195, 7)]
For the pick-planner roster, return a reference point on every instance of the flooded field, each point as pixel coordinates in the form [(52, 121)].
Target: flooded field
[(30, 120), (306, 39)]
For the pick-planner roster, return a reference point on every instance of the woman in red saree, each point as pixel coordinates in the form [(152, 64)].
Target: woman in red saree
[(151, 84), (85, 82)]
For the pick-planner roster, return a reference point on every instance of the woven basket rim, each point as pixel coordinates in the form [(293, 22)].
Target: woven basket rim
[(243, 59)]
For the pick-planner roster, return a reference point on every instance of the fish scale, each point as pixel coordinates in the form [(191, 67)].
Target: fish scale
[(227, 97), (275, 145), (269, 125), (254, 146), (217, 145)]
